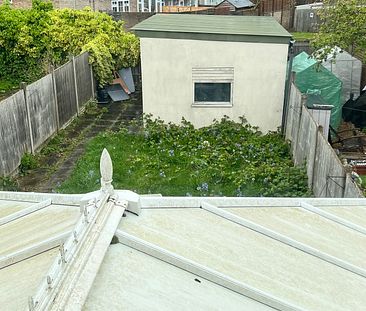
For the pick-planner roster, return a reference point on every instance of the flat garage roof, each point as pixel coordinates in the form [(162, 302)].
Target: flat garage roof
[(213, 27)]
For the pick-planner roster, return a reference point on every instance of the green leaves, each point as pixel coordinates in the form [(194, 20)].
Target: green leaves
[(343, 25), (47, 36), (226, 158)]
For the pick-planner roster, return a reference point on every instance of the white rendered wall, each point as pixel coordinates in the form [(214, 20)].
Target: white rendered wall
[(258, 88)]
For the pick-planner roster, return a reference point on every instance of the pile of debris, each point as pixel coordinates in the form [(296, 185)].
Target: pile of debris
[(121, 88)]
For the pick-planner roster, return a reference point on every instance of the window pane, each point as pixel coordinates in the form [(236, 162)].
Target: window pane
[(212, 92)]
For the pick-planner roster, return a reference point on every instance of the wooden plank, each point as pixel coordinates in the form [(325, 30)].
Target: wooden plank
[(31, 209)]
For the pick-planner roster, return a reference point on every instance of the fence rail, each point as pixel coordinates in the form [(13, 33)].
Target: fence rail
[(35, 113), (327, 177)]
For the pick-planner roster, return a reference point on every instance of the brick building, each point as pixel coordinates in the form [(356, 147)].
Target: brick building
[(19, 3)]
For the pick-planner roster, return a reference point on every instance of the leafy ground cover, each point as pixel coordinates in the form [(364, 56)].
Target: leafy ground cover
[(224, 159), (303, 36)]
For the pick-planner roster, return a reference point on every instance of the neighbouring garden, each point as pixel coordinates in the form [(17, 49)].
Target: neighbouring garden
[(33, 41), (224, 159)]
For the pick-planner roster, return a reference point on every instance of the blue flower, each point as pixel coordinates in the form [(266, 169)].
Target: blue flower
[(171, 152), (204, 186), (162, 174)]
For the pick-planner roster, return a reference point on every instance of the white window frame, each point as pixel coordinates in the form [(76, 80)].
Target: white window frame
[(120, 5), (114, 5), (213, 75)]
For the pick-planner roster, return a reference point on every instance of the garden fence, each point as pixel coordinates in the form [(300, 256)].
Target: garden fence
[(31, 116), (327, 177)]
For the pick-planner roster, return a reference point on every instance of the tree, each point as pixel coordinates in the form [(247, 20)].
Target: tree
[(75, 31), (32, 40), (343, 25)]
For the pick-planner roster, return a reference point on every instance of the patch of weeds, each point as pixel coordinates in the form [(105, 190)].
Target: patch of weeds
[(226, 158), (8, 184), (28, 162), (54, 145), (92, 109)]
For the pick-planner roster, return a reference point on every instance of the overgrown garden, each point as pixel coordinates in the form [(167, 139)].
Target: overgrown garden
[(32, 41), (224, 159)]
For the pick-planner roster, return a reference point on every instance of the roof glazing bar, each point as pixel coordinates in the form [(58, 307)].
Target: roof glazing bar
[(195, 202), (310, 208), (283, 239), (33, 250), (68, 281), (33, 197), (31, 209), (204, 272)]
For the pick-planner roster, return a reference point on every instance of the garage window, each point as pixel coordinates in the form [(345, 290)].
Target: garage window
[(212, 92), (213, 86)]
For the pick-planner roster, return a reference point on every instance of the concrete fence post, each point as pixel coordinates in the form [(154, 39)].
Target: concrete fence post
[(75, 85), (92, 81), (315, 163), (302, 105), (23, 86), (54, 91)]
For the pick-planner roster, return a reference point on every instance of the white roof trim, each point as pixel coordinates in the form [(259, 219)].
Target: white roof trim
[(80, 277), (33, 250), (339, 220), (71, 275), (195, 202), (26, 211), (59, 199), (204, 272), (284, 239)]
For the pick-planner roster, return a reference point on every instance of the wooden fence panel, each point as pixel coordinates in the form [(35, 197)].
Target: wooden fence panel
[(83, 78), (66, 93), (351, 189), (326, 174), (14, 132), (42, 108)]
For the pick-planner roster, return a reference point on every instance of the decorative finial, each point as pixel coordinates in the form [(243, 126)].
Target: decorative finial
[(106, 172)]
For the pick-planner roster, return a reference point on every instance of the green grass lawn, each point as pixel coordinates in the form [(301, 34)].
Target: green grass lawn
[(303, 36), (225, 159)]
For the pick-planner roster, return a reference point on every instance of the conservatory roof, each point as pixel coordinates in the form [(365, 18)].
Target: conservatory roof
[(213, 28), (181, 253)]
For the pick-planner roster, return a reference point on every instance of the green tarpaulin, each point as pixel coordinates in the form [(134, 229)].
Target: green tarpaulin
[(313, 78)]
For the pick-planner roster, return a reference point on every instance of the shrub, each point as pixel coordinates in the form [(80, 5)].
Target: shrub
[(226, 158), (28, 162), (32, 40)]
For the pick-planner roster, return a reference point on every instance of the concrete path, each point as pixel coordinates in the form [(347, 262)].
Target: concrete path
[(41, 180)]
